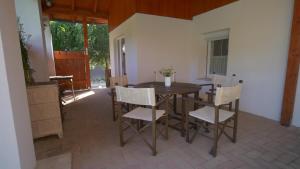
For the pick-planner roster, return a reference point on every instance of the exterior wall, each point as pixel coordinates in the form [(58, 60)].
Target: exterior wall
[(16, 144), (144, 55), (258, 48), (127, 30), (30, 15), (163, 42)]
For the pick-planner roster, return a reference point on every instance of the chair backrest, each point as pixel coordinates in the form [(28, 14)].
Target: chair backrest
[(224, 80), (118, 81), (218, 79), (138, 96), (225, 95)]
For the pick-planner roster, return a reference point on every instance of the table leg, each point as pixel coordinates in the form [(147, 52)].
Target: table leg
[(74, 96), (175, 103), (183, 116)]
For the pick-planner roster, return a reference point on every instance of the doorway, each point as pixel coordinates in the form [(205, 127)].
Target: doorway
[(120, 59)]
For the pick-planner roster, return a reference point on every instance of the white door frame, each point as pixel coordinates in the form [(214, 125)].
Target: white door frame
[(120, 68)]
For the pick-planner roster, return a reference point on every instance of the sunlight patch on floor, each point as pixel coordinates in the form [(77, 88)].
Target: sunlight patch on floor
[(70, 99)]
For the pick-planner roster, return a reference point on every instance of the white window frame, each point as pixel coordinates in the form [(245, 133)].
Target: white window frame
[(212, 36)]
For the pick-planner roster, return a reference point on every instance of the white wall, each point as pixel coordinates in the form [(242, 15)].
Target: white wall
[(296, 115), (128, 30), (30, 15), (258, 48), (163, 42), (144, 36), (16, 143)]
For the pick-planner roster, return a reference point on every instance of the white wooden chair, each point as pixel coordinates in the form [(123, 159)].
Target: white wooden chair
[(217, 116), (140, 98), (220, 80), (117, 81)]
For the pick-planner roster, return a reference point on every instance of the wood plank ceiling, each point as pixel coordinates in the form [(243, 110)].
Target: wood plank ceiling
[(114, 12), (94, 11)]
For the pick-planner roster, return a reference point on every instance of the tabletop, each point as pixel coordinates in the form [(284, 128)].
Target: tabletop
[(61, 77), (175, 88)]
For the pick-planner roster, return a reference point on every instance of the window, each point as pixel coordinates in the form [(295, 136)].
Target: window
[(218, 54)]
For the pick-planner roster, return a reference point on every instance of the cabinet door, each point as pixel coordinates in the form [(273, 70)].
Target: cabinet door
[(44, 111), (42, 94), (47, 127)]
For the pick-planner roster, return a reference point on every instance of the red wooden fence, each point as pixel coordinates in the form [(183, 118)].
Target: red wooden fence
[(76, 64)]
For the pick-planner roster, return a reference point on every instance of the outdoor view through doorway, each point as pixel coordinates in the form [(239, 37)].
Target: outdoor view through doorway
[(71, 58)]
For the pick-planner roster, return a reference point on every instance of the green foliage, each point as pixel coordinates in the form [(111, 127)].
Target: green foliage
[(66, 36), (69, 37), (98, 45), (167, 72), (24, 38)]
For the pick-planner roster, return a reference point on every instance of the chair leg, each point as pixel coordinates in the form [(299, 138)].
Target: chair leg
[(206, 127), (154, 138), (187, 122), (235, 128), (121, 131), (215, 146), (113, 108), (230, 106), (237, 102), (167, 127)]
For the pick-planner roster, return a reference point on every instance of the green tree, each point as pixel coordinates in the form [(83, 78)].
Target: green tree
[(68, 36), (24, 38), (98, 45)]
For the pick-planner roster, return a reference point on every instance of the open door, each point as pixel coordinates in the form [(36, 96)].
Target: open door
[(120, 59)]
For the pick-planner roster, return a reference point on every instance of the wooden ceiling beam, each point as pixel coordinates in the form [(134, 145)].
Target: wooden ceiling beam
[(76, 12), (80, 19), (73, 5), (95, 5)]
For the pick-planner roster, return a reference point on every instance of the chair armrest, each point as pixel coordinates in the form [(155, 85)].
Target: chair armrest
[(207, 84), (198, 101), (163, 100), (130, 85)]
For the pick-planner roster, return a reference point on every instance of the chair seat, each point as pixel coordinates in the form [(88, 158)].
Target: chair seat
[(207, 114), (145, 114)]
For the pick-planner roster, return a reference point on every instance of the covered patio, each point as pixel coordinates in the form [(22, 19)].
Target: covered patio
[(92, 138), (226, 70)]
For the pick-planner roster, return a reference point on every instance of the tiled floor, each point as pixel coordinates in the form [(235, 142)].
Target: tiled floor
[(62, 161), (92, 138)]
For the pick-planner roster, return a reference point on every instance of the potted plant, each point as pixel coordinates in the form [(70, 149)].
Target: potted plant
[(167, 73), (24, 38)]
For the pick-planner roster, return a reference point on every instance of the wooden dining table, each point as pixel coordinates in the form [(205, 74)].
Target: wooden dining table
[(176, 89)]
